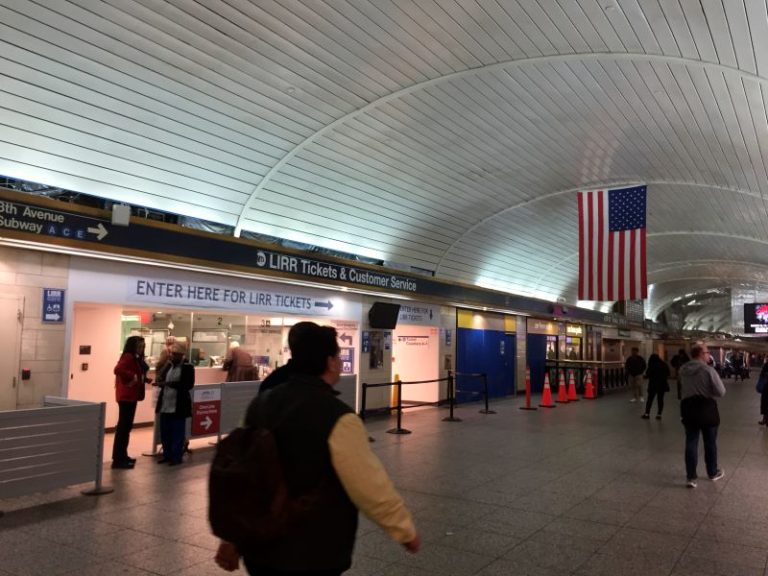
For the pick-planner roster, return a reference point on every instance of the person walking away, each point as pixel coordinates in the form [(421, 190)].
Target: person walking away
[(658, 384), (284, 372), (634, 367), (700, 386), (326, 458), (738, 367), (130, 377), (174, 405), (238, 364)]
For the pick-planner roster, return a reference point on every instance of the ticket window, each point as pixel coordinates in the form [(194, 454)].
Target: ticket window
[(551, 347), (573, 347)]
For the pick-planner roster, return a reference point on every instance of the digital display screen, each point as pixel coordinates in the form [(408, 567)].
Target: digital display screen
[(756, 318)]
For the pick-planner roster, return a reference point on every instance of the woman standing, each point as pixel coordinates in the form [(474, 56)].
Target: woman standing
[(657, 374), (174, 404), (130, 378)]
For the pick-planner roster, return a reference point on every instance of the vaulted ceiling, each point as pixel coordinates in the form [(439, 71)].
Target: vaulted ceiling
[(446, 134)]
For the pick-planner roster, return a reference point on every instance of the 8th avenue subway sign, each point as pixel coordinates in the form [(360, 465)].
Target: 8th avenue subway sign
[(71, 227), (43, 220)]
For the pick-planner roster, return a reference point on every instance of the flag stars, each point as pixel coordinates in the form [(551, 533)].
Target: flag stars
[(627, 208)]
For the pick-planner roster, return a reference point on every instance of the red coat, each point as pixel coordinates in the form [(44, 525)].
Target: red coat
[(130, 378)]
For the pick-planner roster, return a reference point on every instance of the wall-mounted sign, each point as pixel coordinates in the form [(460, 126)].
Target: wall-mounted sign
[(536, 326), (206, 411), (366, 342), (413, 340), (347, 356), (574, 330), (415, 313), (448, 337), (53, 305), (624, 333), (43, 220), (181, 293)]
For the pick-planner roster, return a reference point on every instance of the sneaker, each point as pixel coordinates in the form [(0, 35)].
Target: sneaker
[(645, 416), (719, 474), (658, 416), (691, 483), (633, 400), (642, 399)]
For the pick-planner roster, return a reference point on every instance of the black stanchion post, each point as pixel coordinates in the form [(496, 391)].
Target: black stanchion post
[(363, 397), (399, 429), (451, 397), (485, 393)]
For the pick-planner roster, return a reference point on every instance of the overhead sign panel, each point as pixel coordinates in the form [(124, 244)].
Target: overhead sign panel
[(46, 221)]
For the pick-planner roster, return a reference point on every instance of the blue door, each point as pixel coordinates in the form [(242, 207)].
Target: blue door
[(536, 354), (491, 352)]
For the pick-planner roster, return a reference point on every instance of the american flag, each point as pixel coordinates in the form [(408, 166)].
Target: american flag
[(612, 244)]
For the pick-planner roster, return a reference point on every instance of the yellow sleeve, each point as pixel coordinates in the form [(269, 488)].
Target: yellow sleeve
[(365, 480)]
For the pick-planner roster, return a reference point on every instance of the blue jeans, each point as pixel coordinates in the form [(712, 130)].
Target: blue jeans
[(709, 434)]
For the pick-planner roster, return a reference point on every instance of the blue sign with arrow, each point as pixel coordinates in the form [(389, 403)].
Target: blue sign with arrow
[(53, 305)]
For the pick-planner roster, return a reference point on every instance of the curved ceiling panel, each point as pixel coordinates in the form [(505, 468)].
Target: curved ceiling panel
[(451, 138)]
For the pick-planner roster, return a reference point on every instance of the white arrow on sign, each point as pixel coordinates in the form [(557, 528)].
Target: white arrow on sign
[(56, 317), (100, 231), (206, 423)]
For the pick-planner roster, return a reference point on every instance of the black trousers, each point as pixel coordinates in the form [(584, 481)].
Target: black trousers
[(651, 393), (123, 431)]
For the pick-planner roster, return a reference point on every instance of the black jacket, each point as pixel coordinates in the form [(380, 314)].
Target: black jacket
[(302, 412), (635, 365), (657, 375), (183, 396), (277, 377)]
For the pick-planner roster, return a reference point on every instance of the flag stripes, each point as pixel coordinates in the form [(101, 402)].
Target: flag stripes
[(612, 259)]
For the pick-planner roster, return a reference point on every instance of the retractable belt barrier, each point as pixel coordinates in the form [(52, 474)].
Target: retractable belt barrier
[(452, 392), (399, 407)]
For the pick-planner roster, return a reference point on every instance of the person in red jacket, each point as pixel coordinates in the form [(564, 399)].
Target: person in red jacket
[(130, 378)]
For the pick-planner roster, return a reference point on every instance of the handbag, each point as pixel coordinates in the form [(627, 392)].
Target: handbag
[(760, 386), (699, 412)]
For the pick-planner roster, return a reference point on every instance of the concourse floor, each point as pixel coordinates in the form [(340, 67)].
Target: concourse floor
[(586, 488)]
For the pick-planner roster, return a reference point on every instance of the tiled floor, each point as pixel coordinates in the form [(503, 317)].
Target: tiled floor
[(587, 489)]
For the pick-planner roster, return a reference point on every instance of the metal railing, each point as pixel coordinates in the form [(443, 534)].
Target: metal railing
[(608, 376), (58, 445)]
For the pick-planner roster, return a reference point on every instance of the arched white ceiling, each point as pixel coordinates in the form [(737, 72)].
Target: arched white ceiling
[(448, 134)]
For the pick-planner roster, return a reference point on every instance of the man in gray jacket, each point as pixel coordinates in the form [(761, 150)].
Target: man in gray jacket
[(700, 386)]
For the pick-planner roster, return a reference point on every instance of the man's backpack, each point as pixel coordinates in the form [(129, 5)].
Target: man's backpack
[(248, 498)]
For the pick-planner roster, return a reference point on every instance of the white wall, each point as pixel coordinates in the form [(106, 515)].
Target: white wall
[(98, 326), (24, 273), (415, 358)]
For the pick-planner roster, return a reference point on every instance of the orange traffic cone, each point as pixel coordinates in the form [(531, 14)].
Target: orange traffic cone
[(546, 395), (562, 396), (589, 389), (572, 388)]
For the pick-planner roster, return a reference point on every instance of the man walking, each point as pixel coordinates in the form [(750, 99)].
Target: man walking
[(700, 386), (325, 454), (634, 367)]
